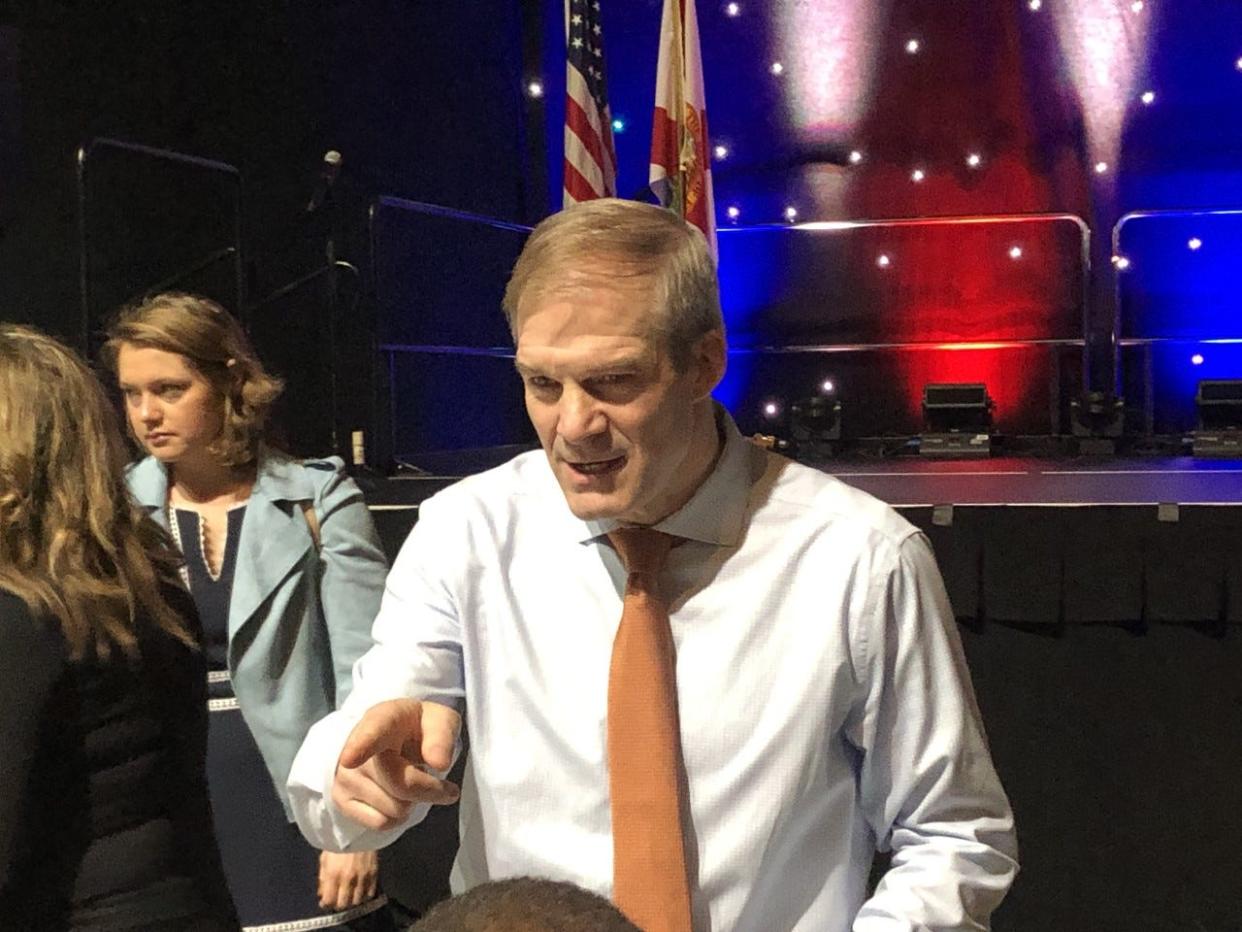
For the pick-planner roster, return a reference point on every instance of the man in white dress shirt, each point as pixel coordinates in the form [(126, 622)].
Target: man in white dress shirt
[(825, 707)]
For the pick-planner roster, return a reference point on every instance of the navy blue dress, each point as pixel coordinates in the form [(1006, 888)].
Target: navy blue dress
[(272, 871)]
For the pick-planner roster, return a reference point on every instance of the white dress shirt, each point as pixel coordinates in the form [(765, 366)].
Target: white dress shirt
[(824, 701)]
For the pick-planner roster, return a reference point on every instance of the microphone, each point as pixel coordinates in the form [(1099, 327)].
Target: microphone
[(328, 171)]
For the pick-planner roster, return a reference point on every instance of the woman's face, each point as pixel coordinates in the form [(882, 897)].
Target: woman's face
[(173, 410)]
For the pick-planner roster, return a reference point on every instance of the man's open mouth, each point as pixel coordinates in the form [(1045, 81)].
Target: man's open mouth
[(598, 467)]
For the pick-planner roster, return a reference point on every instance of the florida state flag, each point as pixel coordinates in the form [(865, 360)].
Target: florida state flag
[(681, 170)]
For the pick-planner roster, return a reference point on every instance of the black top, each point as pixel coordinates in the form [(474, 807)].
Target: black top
[(212, 594), (105, 821)]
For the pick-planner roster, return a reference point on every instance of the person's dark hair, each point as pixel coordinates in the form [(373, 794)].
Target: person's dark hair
[(73, 545), (525, 904), (213, 343)]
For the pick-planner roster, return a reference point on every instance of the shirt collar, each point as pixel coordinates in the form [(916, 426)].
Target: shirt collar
[(715, 513)]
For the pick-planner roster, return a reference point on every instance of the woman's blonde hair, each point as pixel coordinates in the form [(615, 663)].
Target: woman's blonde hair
[(73, 545), (214, 344)]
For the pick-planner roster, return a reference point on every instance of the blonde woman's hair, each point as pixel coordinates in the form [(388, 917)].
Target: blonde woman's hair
[(609, 241), (214, 344), (73, 544)]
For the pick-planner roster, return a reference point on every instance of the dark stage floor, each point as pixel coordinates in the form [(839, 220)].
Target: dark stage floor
[(1042, 541)]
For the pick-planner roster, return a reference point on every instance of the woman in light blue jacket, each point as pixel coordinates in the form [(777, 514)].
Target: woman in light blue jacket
[(285, 565)]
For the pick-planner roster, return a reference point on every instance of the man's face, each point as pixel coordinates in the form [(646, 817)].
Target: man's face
[(626, 435)]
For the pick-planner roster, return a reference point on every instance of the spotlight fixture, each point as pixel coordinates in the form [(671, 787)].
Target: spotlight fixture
[(1096, 420), (917, 175), (791, 213), (828, 386), (732, 9), (777, 68), (1121, 262), (1137, 6), (1015, 252), (535, 89), (855, 157), (957, 419), (1194, 244), (912, 47), (883, 260), (814, 426), (721, 152), (771, 410), (1034, 5), (1101, 167), (734, 212), (618, 125), (974, 160), (1148, 97), (1196, 359), (1220, 418)]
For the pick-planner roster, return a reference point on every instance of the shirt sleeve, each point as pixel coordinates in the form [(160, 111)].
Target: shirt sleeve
[(416, 654), (30, 664), (926, 780), (352, 580)]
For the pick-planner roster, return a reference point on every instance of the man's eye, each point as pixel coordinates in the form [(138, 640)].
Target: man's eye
[(540, 381), (172, 391)]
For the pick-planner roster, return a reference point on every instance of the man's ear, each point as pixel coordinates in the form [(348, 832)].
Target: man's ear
[(709, 361)]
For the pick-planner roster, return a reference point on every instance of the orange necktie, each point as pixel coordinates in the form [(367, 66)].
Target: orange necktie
[(650, 884)]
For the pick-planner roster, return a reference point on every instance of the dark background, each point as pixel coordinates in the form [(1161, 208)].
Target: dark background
[(1118, 744)]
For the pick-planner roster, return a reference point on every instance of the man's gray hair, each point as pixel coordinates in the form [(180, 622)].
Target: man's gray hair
[(606, 240)]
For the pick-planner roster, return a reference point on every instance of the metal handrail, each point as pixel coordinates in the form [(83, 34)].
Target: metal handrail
[(234, 250)]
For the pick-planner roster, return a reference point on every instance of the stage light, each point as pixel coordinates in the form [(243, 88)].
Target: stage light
[(1101, 167), (777, 68), (771, 409), (1194, 244), (814, 424), (721, 152), (1034, 5), (1196, 359), (733, 212), (732, 9), (535, 89), (974, 160), (917, 175), (618, 125), (1238, 64), (827, 386), (1121, 262), (883, 261), (1220, 418), (855, 157), (1137, 6), (1097, 419), (957, 419), (912, 47), (1148, 97), (791, 214), (1015, 252)]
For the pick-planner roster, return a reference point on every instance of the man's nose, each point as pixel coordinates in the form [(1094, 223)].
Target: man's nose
[(580, 417)]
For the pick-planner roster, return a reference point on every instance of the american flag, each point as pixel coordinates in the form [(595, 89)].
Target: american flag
[(590, 157)]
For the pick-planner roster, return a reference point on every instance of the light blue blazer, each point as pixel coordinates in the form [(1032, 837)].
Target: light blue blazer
[(299, 615)]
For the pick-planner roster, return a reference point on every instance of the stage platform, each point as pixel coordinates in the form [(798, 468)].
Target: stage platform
[(1027, 541)]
